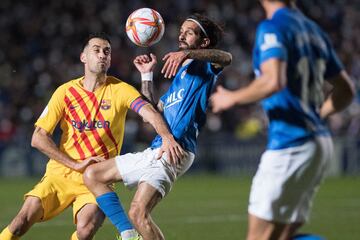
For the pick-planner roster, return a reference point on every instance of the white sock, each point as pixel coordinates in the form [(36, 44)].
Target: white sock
[(131, 233)]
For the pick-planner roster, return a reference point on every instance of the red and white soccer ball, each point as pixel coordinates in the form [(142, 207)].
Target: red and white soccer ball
[(145, 27)]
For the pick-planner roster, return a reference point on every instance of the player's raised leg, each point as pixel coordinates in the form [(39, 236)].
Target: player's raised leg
[(145, 199), (30, 213), (97, 178)]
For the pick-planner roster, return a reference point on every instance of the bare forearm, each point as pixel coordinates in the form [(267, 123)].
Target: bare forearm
[(149, 114), (46, 145), (160, 126), (211, 55), (259, 89), (147, 91), (341, 96), (335, 103)]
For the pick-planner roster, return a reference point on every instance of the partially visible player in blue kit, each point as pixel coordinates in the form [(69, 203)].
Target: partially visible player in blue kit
[(292, 58), (196, 67)]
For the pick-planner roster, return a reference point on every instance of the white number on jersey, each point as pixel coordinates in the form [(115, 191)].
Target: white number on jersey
[(312, 90)]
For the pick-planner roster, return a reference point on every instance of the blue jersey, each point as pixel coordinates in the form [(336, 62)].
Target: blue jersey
[(294, 111), (186, 101)]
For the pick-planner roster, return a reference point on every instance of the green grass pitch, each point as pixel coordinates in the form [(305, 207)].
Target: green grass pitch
[(208, 207)]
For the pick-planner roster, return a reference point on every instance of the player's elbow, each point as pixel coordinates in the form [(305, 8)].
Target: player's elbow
[(34, 141), (275, 84), (343, 90), (343, 96), (350, 90), (227, 59)]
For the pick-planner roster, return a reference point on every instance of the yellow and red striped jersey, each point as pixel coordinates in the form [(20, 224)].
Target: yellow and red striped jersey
[(92, 123)]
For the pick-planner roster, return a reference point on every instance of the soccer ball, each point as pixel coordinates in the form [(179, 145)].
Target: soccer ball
[(145, 27)]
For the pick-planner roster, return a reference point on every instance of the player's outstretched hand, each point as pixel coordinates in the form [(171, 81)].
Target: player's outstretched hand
[(221, 100), (81, 166), (172, 63), (172, 149), (145, 63)]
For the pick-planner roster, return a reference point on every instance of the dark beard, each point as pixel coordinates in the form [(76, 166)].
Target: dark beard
[(185, 46)]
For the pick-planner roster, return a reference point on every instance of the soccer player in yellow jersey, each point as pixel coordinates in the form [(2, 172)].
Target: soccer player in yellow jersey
[(91, 111)]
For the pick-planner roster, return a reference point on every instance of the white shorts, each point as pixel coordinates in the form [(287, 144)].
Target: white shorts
[(144, 167), (287, 179)]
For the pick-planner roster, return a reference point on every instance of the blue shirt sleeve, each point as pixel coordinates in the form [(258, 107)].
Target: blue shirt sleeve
[(270, 42)]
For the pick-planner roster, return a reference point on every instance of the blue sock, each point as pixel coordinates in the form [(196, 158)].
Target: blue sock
[(307, 237), (111, 206)]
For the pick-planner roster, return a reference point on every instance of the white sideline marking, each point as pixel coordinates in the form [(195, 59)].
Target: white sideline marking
[(187, 220)]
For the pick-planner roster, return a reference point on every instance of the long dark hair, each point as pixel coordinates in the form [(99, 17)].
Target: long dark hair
[(213, 30)]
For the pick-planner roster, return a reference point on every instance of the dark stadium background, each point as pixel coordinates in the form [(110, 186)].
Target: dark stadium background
[(40, 43)]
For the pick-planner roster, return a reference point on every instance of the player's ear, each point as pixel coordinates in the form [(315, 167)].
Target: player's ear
[(205, 42), (83, 57)]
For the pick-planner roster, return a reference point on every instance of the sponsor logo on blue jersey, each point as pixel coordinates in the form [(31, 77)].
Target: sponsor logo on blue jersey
[(85, 125), (270, 41), (174, 98)]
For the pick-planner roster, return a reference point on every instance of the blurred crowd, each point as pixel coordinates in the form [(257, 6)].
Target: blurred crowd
[(41, 42)]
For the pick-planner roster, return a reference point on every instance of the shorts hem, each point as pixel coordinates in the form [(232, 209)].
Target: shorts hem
[(273, 219)]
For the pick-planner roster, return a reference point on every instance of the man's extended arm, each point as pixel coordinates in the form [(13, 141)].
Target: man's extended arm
[(340, 96), (173, 150), (216, 56), (147, 90), (146, 64), (173, 60), (43, 141), (272, 79)]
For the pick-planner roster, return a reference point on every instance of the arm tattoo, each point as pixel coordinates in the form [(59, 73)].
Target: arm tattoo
[(147, 91), (216, 56)]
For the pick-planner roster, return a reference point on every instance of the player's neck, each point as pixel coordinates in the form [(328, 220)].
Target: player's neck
[(93, 82), (271, 8)]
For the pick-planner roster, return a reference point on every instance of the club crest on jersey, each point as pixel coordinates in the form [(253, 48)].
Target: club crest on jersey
[(183, 74), (105, 104), (174, 98)]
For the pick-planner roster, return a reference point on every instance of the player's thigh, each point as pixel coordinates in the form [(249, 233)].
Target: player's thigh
[(105, 172), (53, 194)]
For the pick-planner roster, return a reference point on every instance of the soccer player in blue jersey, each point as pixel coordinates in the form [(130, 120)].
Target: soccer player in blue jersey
[(196, 67), (292, 58)]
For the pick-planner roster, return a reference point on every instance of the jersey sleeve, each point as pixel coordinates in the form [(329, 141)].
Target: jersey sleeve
[(270, 42), (53, 112), (133, 99)]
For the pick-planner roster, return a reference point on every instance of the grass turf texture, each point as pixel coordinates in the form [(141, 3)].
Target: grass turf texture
[(204, 207)]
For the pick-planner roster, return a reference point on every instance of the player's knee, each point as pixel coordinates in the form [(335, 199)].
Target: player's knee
[(30, 213), (138, 214), (85, 231), (89, 175)]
